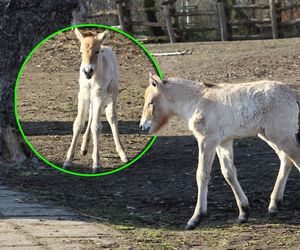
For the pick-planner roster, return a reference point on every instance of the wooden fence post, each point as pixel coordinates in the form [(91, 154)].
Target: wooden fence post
[(169, 22), (223, 21), (273, 19), (121, 14)]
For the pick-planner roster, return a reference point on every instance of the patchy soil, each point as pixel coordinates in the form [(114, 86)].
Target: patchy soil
[(151, 201)]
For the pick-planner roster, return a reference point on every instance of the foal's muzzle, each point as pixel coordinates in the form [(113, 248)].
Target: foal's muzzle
[(88, 70), (146, 130), (88, 73), (145, 126)]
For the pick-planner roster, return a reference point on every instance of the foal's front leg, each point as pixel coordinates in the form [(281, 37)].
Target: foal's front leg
[(97, 103), (83, 106), (225, 154), (207, 148)]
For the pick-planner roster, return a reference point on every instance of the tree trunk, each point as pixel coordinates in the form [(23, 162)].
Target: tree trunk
[(23, 23)]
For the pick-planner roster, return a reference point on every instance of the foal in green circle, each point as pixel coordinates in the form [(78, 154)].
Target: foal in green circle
[(99, 86)]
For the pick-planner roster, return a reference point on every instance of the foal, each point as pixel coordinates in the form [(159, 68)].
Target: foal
[(98, 85), (218, 114)]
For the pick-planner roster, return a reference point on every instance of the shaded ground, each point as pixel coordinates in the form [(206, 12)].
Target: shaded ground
[(151, 201)]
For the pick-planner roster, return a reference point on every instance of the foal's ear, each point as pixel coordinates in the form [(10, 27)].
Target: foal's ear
[(79, 34), (103, 37), (154, 80)]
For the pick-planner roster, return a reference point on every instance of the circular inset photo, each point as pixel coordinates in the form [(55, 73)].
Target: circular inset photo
[(79, 97)]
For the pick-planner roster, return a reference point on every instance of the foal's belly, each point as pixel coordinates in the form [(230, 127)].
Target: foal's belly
[(244, 130)]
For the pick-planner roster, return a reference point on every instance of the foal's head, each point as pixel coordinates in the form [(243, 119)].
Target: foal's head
[(90, 48), (155, 112)]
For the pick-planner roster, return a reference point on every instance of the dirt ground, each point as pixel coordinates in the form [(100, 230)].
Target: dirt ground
[(150, 202)]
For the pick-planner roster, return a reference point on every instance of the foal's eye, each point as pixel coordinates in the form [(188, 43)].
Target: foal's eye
[(150, 103), (97, 52)]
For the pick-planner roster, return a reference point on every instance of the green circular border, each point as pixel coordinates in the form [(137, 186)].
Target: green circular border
[(16, 100)]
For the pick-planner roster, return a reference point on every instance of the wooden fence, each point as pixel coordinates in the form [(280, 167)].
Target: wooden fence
[(270, 19), (174, 20)]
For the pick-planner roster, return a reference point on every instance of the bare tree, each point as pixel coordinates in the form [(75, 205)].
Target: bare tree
[(23, 23)]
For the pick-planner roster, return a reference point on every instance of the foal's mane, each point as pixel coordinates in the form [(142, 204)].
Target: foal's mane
[(190, 84), (209, 85)]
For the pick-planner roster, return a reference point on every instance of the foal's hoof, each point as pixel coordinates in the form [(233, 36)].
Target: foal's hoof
[(96, 170), (244, 216), (274, 208), (67, 164), (83, 152), (190, 226), (242, 220), (193, 223), (124, 159), (272, 212)]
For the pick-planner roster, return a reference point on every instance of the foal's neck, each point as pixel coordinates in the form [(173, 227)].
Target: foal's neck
[(99, 67), (183, 102)]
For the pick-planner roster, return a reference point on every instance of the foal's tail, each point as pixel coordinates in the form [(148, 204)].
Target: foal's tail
[(298, 134)]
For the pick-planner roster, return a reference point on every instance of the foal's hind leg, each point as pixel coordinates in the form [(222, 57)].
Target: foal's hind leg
[(225, 155), (112, 119), (87, 134), (278, 190), (288, 144), (281, 130), (285, 147)]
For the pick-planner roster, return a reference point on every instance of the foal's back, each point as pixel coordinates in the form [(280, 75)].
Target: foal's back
[(247, 108), (260, 93)]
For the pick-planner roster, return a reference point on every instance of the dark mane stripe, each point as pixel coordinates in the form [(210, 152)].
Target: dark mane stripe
[(209, 85)]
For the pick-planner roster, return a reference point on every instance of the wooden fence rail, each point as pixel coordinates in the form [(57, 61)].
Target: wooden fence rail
[(270, 26), (250, 6), (288, 7)]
